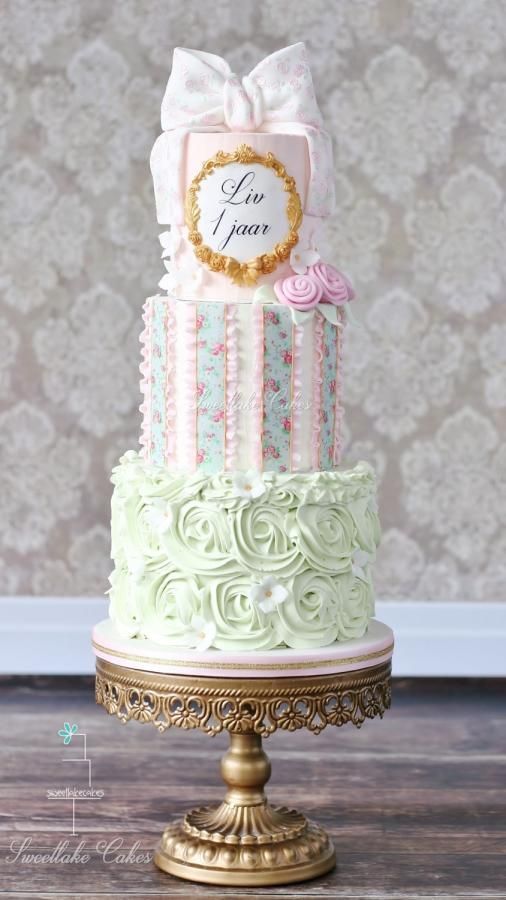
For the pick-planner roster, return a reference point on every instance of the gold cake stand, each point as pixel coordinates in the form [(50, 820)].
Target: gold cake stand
[(244, 840)]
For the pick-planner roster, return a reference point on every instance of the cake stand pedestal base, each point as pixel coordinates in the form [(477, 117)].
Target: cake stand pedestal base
[(245, 841)]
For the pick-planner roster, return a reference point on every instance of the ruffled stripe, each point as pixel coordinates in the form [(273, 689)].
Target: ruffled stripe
[(258, 385), (189, 386), (145, 408), (297, 344), (338, 421), (317, 390), (170, 383), (231, 386)]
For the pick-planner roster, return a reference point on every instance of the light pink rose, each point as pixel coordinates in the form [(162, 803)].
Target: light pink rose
[(335, 286), (301, 292)]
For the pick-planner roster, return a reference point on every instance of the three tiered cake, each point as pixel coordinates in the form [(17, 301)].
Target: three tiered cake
[(233, 529)]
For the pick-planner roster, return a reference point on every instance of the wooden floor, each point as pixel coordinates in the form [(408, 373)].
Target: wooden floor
[(415, 804)]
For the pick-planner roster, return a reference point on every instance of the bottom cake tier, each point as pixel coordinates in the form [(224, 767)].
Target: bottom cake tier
[(242, 561)]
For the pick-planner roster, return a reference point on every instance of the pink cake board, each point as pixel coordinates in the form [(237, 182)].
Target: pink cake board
[(375, 647)]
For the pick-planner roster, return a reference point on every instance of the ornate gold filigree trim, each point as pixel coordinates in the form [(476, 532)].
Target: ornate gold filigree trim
[(243, 706), (245, 273)]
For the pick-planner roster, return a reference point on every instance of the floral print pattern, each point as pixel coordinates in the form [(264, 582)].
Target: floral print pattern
[(277, 391), (329, 399), (211, 362), (158, 380)]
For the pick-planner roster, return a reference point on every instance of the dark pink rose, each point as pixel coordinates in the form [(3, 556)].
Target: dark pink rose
[(301, 292), (335, 286)]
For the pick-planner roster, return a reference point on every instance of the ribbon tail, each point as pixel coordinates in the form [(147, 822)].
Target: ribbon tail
[(166, 162), (300, 318), (331, 314), (351, 318), (264, 294)]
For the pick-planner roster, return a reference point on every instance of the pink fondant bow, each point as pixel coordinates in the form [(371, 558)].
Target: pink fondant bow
[(203, 94)]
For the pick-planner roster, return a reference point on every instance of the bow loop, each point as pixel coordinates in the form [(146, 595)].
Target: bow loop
[(242, 104), (203, 94)]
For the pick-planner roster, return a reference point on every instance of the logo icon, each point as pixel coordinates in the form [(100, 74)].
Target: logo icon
[(69, 733)]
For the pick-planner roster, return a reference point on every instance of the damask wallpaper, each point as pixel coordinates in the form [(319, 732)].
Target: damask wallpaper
[(414, 94)]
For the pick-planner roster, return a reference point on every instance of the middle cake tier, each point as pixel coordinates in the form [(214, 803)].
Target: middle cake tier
[(238, 386)]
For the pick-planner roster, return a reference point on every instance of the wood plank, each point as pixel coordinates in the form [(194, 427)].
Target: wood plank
[(416, 804)]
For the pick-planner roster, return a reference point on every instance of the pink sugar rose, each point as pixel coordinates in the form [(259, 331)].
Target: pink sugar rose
[(301, 292), (335, 286)]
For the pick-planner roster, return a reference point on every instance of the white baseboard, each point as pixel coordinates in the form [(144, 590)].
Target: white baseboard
[(51, 636)]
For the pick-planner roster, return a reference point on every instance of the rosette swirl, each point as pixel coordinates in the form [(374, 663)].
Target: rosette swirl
[(325, 535), (308, 616), (301, 292), (189, 548), (335, 286), (354, 606), (261, 542), (240, 624), (199, 540), (168, 603), (367, 524), (134, 535), (125, 597)]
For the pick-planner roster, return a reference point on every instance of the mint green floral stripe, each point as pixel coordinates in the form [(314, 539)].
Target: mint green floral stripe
[(328, 411), (158, 372), (278, 330), (211, 339)]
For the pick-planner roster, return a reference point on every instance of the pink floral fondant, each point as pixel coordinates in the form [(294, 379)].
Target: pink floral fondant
[(335, 286), (301, 292), (320, 284)]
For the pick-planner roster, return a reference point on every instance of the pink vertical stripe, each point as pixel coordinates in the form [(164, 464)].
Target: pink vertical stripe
[(145, 439), (297, 344), (338, 414), (317, 390), (188, 378), (170, 383), (258, 384), (231, 385)]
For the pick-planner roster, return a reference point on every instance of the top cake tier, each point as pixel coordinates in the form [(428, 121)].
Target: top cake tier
[(242, 173)]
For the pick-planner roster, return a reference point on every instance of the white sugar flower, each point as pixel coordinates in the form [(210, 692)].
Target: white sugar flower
[(302, 258), (136, 567), (165, 239), (187, 277), (201, 633), (268, 594), (264, 294), (170, 241), (360, 559), (248, 484), (160, 516)]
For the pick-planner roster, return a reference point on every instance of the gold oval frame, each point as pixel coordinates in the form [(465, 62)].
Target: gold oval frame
[(245, 273)]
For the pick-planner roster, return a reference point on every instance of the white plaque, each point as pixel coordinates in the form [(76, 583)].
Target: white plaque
[(243, 213)]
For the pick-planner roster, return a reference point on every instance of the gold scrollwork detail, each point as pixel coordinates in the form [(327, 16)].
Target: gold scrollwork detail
[(245, 273), (244, 706)]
